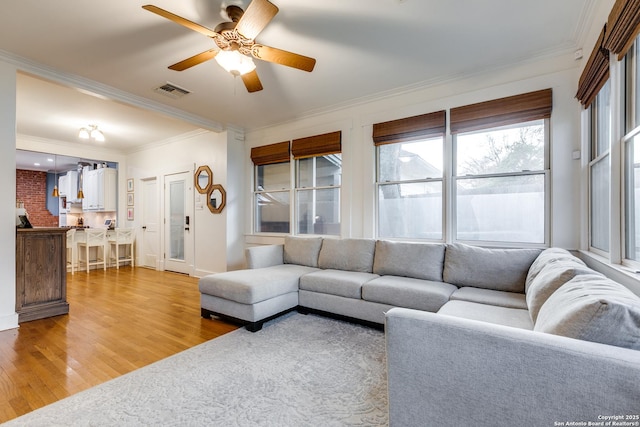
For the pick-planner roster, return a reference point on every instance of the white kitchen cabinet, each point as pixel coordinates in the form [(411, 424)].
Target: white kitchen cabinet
[(99, 188), (68, 186)]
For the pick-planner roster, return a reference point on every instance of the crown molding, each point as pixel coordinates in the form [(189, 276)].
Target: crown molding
[(102, 90)]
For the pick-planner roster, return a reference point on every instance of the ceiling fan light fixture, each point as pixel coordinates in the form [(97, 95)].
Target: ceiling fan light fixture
[(234, 62)]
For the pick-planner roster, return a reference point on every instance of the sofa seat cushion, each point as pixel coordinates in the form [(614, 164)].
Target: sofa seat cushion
[(491, 297), (347, 254), (252, 286), (417, 260), (591, 307), (408, 292), (336, 282), (514, 317), (550, 278), (499, 269)]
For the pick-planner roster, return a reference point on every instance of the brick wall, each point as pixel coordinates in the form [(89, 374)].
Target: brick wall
[(31, 189)]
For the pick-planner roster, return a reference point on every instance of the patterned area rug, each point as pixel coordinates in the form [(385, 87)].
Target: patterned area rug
[(298, 371)]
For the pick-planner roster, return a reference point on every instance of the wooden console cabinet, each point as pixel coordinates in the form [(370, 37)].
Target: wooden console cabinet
[(41, 273)]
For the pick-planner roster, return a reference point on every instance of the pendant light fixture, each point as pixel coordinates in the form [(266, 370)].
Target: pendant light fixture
[(55, 192), (80, 192)]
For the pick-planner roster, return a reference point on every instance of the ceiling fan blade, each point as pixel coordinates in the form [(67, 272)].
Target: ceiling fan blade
[(258, 14), (282, 57), (180, 20), (194, 60), (252, 81)]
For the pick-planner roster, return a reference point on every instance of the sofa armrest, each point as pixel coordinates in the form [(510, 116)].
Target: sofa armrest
[(448, 371), (264, 256)]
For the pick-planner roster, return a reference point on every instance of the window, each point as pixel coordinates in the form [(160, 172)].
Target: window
[(632, 154), (501, 170), (318, 181), (500, 181), (600, 170), (410, 177), (272, 188)]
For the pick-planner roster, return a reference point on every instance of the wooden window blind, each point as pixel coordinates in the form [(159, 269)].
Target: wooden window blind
[(410, 128), (623, 26), (270, 154), (319, 145), (502, 112), (595, 73)]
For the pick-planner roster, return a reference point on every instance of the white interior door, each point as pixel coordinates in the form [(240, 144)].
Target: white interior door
[(178, 217), (150, 247)]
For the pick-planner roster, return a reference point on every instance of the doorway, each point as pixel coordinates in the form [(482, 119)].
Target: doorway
[(150, 247), (178, 223)]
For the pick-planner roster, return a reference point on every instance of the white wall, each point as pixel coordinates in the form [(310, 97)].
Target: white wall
[(8, 316), (356, 123), (215, 235)]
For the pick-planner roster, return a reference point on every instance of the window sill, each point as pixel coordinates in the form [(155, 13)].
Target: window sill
[(627, 276)]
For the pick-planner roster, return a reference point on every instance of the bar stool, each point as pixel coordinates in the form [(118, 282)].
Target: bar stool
[(71, 249), (92, 238), (121, 237)]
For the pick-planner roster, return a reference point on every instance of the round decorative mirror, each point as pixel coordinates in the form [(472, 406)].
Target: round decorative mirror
[(203, 179), (216, 198)]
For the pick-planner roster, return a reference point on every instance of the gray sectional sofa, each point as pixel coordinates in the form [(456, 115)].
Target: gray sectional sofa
[(482, 336)]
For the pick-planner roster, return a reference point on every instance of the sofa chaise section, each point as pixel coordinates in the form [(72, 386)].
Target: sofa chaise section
[(266, 290)]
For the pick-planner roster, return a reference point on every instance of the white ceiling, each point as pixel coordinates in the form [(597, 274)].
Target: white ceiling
[(364, 49)]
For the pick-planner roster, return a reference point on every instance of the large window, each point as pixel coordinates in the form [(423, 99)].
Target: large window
[(600, 170), (410, 177), (318, 194), (410, 188), (500, 181), (272, 188), (318, 180), (272, 198), (501, 170), (632, 154)]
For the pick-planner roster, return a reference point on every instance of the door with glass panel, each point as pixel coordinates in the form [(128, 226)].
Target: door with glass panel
[(178, 223)]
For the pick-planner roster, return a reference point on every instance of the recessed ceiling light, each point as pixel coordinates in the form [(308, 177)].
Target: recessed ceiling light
[(50, 160), (36, 164)]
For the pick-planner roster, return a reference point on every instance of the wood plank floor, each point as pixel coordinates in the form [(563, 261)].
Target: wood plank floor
[(118, 321)]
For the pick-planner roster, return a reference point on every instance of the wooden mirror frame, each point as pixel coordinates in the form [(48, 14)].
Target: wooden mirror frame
[(206, 169), (218, 209)]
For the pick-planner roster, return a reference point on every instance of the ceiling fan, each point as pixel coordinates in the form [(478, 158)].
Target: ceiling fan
[(236, 44)]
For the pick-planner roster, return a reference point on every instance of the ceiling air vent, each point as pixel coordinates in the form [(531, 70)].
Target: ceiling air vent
[(172, 91)]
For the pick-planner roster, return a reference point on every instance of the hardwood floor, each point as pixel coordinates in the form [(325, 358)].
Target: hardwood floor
[(119, 321)]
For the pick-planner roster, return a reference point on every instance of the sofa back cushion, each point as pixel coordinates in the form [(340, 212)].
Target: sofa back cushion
[(545, 258), (302, 250), (549, 279), (347, 254), (593, 308), (499, 269), (417, 260)]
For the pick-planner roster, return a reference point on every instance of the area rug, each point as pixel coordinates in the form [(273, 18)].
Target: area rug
[(297, 371)]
